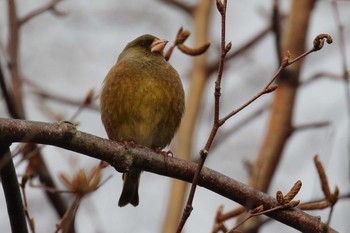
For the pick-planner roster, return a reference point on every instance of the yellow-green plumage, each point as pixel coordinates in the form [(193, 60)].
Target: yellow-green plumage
[(142, 100)]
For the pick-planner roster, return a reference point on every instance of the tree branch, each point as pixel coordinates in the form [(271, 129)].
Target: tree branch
[(16, 107), (6, 94), (65, 135), (180, 5), (49, 6), (197, 89), (11, 191)]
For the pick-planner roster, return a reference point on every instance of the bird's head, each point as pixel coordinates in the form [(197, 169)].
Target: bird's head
[(145, 45)]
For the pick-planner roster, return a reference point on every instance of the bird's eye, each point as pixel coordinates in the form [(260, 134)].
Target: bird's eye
[(143, 44)]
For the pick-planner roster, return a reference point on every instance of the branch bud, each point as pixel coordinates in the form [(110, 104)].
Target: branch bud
[(319, 41), (228, 47), (279, 197), (271, 88), (220, 6), (193, 51), (285, 58)]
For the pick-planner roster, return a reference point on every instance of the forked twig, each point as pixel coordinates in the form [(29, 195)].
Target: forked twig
[(218, 122), (48, 7), (181, 37)]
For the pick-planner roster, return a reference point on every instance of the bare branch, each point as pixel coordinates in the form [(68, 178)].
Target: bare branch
[(65, 135), (11, 190), (48, 7), (204, 152), (186, 8), (213, 66)]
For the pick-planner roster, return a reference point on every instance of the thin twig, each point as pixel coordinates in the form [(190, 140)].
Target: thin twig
[(318, 44), (213, 66), (184, 7), (276, 26), (270, 87), (30, 220), (265, 90), (322, 74), (42, 93), (274, 209), (6, 94), (50, 6), (12, 47), (223, 136), (311, 126), (203, 153)]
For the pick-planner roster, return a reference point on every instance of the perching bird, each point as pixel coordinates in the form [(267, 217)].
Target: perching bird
[(142, 100)]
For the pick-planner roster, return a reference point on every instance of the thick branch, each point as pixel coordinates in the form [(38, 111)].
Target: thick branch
[(65, 135), (16, 107), (11, 190)]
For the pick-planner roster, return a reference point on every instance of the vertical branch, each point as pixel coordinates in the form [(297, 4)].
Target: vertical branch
[(15, 102), (184, 138), (6, 94), (276, 26), (222, 9), (13, 46), (12, 193), (204, 152)]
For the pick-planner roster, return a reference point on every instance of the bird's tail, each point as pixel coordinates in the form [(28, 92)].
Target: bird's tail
[(130, 188)]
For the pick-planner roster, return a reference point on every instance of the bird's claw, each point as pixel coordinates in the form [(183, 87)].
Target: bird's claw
[(164, 153), (128, 144)]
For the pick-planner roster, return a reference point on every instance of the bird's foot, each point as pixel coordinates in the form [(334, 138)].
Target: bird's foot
[(128, 144), (164, 153)]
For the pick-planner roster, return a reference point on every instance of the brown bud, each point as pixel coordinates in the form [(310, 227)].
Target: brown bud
[(228, 47), (103, 164), (293, 191), (293, 204), (220, 6), (335, 196), (89, 96), (285, 58), (319, 41), (194, 51), (271, 88), (323, 177), (258, 209), (280, 197), (182, 36)]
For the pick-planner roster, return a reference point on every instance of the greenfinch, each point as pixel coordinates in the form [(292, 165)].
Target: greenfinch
[(142, 101)]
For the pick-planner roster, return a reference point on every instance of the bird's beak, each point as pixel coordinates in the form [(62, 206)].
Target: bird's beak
[(158, 45)]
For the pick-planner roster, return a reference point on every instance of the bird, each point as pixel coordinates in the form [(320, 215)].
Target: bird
[(141, 101)]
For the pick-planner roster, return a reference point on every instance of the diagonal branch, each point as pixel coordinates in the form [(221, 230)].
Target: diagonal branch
[(49, 6), (65, 135)]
